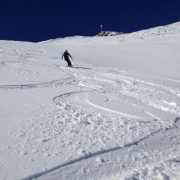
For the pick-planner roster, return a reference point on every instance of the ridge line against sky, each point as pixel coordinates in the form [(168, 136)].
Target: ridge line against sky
[(48, 19)]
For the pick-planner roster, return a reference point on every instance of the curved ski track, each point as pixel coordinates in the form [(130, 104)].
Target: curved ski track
[(129, 89)]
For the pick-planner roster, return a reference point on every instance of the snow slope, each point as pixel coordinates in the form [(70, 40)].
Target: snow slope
[(115, 115)]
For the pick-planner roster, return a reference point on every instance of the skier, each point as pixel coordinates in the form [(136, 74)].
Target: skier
[(66, 56)]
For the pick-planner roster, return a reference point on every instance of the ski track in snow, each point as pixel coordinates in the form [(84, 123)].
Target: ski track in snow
[(129, 87), (109, 110), (36, 85)]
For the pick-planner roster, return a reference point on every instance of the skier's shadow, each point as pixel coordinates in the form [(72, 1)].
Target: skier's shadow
[(79, 67)]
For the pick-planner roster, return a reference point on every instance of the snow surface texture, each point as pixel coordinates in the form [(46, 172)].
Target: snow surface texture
[(114, 115)]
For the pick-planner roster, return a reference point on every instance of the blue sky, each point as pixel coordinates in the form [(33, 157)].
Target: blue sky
[(37, 20)]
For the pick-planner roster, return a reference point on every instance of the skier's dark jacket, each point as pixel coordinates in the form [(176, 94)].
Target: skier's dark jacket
[(66, 55)]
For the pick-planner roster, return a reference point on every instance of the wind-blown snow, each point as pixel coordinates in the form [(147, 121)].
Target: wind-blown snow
[(115, 115)]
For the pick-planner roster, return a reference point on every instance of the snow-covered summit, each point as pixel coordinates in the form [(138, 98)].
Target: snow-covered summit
[(171, 31)]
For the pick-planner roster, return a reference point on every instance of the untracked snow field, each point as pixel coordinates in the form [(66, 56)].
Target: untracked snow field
[(114, 115)]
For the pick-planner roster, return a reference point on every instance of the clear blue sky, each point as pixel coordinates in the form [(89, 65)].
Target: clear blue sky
[(37, 20)]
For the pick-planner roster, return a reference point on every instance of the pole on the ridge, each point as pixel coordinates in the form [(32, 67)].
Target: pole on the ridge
[(101, 27)]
